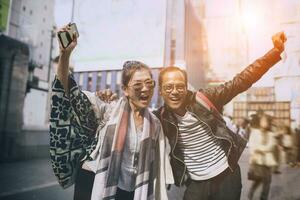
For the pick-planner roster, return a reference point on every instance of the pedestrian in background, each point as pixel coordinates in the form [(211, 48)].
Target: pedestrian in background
[(297, 134), (278, 151), (243, 128), (288, 145), (262, 143)]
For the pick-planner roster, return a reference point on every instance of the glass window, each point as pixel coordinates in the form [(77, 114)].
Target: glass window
[(90, 82), (118, 85), (80, 82), (119, 77), (108, 80), (99, 78)]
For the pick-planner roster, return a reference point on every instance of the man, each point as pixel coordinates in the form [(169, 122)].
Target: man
[(204, 152)]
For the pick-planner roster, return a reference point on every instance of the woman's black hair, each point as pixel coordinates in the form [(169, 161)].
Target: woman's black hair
[(129, 68)]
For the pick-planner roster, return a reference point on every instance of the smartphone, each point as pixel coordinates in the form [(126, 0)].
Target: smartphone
[(66, 37)]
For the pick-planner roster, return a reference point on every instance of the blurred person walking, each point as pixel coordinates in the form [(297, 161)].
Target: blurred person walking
[(243, 128), (262, 144), (288, 145), (297, 134), (278, 151)]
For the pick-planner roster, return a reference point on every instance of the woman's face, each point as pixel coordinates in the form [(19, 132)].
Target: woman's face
[(139, 90), (264, 122)]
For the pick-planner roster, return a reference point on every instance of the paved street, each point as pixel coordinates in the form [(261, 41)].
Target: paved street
[(34, 180)]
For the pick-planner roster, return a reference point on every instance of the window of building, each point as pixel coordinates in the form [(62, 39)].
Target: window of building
[(44, 19), (45, 7), (41, 44), (40, 56), (30, 12), (80, 81), (24, 8), (118, 85), (108, 80), (99, 78), (90, 82)]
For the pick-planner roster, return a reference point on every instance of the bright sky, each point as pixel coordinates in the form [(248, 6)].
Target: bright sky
[(260, 20), (113, 31)]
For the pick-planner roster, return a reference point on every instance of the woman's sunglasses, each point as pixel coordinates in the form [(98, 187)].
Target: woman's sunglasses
[(138, 86)]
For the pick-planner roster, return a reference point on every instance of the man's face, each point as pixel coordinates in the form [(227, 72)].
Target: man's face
[(174, 90)]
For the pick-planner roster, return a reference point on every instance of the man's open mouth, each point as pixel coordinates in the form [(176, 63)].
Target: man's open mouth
[(175, 99)]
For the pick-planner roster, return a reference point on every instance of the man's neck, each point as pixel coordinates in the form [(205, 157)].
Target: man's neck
[(181, 111)]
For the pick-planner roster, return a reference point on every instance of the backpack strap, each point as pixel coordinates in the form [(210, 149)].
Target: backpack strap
[(201, 98)]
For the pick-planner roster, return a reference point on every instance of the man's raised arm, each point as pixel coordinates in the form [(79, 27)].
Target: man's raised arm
[(222, 94)]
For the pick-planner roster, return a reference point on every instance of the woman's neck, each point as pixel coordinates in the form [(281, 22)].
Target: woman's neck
[(138, 116)]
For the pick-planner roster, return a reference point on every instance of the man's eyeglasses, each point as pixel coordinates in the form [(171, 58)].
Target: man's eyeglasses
[(138, 86), (168, 88)]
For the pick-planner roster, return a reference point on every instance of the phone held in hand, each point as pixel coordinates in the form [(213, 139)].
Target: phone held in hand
[(66, 37)]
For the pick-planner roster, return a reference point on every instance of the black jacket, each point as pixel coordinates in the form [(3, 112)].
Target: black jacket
[(232, 143)]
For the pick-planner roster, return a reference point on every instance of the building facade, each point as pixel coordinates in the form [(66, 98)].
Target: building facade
[(186, 40), (32, 23)]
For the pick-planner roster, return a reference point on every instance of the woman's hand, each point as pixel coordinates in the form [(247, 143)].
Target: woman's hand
[(69, 49), (64, 58)]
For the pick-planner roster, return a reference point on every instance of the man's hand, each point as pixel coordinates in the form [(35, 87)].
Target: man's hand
[(73, 44), (106, 95), (278, 41)]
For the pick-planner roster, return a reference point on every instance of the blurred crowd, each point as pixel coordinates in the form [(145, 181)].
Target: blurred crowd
[(286, 140), (271, 145)]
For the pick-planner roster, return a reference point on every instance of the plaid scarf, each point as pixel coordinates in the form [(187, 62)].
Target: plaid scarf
[(107, 157)]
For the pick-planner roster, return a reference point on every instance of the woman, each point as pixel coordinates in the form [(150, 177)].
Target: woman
[(262, 143), (110, 151)]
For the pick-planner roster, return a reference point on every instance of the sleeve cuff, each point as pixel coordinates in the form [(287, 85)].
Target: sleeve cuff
[(273, 56), (73, 87)]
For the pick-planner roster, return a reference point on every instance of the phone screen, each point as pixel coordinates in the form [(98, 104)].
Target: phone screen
[(67, 37), (64, 39)]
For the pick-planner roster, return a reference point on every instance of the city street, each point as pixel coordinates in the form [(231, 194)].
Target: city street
[(34, 180), (242, 56)]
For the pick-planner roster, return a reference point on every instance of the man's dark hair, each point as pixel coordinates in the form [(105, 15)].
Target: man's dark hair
[(129, 68), (171, 69)]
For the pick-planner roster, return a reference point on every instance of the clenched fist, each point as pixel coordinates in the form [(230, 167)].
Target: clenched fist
[(278, 40)]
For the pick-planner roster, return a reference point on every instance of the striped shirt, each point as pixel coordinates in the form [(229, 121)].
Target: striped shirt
[(202, 152)]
